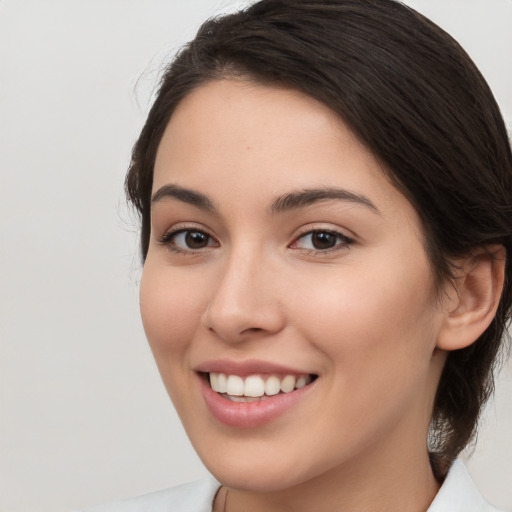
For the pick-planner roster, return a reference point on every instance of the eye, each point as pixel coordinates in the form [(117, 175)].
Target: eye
[(321, 240), (187, 240)]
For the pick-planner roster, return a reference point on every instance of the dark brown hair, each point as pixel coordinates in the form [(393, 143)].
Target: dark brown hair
[(418, 102)]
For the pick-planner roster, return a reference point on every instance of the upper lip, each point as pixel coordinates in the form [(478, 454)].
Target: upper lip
[(246, 367)]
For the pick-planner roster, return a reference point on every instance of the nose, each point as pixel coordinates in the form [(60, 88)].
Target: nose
[(245, 303)]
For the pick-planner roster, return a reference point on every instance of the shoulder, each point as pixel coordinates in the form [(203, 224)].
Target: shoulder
[(195, 496), (459, 493)]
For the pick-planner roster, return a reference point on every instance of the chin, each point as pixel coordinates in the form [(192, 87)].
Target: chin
[(265, 477)]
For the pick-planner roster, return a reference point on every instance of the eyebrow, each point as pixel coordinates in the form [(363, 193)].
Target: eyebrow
[(286, 202), (185, 195), (306, 197)]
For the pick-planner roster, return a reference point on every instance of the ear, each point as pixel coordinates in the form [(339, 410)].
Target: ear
[(471, 301)]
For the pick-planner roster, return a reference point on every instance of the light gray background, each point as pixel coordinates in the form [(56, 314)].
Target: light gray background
[(84, 418)]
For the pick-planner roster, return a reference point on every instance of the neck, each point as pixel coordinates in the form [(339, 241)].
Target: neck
[(384, 485)]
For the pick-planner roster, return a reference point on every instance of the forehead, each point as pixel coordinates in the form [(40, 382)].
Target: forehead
[(260, 141), (241, 113)]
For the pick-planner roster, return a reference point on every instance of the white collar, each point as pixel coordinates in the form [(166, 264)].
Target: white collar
[(459, 493)]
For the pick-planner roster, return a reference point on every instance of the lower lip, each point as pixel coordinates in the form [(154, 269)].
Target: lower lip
[(250, 414)]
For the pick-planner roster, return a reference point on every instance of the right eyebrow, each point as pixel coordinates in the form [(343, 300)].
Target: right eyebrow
[(185, 195), (303, 198)]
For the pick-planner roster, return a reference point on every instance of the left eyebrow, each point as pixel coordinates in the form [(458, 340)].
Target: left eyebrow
[(184, 195), (302, 198)]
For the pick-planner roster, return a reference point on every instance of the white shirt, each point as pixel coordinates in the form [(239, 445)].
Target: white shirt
[(457, 494)]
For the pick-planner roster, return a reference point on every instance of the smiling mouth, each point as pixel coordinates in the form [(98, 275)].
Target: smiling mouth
[(254, 388)]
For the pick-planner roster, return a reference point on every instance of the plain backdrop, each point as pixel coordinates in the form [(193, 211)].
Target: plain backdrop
[(84, 418)]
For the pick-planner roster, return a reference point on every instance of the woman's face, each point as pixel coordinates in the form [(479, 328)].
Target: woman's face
[(281, 257)]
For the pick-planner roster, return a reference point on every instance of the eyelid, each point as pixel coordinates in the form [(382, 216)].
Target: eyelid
[(315, 228), (327, 227), (169, 234)]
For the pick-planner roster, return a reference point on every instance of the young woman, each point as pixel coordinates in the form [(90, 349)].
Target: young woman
[(325, 190)]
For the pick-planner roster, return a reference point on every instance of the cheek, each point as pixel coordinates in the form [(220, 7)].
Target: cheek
[(170, 308), (376, 334), (372, 320)]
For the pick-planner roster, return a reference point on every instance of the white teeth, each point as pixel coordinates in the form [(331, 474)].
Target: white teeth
[(288, 384), (244, 399), (222, 383), (218, 382), (255, 386), (301, 382), (214, 381), (272, 386), (235, 386)]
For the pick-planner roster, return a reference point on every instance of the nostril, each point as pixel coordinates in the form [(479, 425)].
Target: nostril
[(237, 318)]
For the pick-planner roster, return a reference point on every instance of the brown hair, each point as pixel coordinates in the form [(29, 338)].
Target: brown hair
[(418, 102)]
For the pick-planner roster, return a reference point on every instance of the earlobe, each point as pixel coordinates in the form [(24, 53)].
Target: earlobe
[(473, 298)]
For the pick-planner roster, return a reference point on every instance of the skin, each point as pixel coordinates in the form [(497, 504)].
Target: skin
[(363, 315)]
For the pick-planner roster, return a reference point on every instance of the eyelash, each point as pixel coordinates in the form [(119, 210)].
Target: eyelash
[(342, 241), (169, 240)]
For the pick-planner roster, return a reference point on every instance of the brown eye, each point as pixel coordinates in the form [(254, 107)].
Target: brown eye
[(321, 240), (188, 240), (196, 239)]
